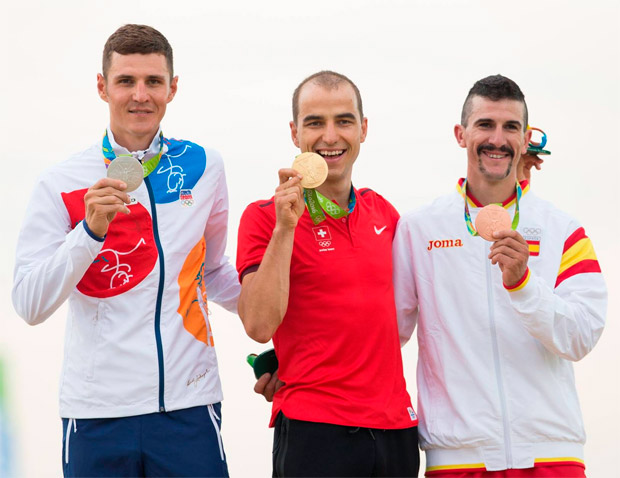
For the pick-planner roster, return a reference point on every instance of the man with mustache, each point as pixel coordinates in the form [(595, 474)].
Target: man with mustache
[(140, 392), (499, 324)]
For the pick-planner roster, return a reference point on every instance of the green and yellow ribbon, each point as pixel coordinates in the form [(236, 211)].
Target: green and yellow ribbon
[(468, 221), (147, 167), (318, 205)]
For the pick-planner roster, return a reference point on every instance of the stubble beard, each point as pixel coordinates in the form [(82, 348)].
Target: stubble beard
[(493, 176), (487, 174)]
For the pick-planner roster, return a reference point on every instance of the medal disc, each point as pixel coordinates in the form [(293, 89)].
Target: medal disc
[(312, 167), (127, 169), (492, 218)]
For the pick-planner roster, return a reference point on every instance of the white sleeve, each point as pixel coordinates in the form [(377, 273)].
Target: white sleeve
[(51, 257), (221, 280), (404, 282), (568, 319)]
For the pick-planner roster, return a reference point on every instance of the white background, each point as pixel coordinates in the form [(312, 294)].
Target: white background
[(238, 63)]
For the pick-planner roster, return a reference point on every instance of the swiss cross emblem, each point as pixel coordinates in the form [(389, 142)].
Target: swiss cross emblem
[(322, 233)]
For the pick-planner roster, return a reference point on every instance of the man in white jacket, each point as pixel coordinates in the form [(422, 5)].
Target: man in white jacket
[(499, 323), (139, 392)]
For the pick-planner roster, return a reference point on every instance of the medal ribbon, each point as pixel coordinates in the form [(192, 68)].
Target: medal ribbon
[(316, 203), (147, 167), (468, 221)]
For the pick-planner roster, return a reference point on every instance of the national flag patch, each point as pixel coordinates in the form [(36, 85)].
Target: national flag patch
[(534, 247), (322, 233)]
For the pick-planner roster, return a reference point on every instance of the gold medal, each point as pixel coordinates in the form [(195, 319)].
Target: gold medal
[(312, 167)]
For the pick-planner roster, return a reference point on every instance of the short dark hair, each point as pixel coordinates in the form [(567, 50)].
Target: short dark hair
[(328, 80), (494, 88), (133, 38)]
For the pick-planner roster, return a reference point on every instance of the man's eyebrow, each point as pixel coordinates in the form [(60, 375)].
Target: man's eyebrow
[(346, 115), (312, 118), (489, 120), (124, 76), (514, 122)]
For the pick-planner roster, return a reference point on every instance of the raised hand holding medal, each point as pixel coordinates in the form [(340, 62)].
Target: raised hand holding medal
[(314, 170), (509, 250), (107, 197)]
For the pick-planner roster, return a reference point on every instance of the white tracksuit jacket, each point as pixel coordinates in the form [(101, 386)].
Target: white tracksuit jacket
[(138, 338), (495, 378)]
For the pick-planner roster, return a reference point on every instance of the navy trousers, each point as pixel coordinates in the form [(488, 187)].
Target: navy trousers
[(179, 443)]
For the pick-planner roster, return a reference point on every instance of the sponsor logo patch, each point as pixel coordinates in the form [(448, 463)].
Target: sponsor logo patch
[(444, 243)]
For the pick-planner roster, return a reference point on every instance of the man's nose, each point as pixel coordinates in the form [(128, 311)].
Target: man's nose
[(497, 137), (330, 134), (140, 93)]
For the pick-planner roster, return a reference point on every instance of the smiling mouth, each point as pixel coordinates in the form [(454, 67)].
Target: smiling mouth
[(331, 154), (496, 153)]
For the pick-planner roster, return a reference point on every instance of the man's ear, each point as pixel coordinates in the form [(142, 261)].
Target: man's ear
[(364, 129), (101, 87), (526, 141), (459, 134), (173, 88), (294, 133)]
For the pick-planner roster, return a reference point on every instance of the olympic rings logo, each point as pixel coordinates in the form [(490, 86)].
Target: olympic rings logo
[(325, 243), (187, 202), (532, 230)]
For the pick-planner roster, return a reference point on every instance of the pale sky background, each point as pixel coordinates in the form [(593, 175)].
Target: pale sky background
[(238, 63)]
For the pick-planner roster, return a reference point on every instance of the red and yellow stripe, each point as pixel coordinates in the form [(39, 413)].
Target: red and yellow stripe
[(470, 467), (448, 470), (578, 257), (560, 460), (521, 284), (473, 202)]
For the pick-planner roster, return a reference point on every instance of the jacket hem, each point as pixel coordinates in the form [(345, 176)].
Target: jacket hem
[(493, 457), (83, 412)]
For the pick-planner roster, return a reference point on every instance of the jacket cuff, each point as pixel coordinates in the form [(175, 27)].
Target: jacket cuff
[(521, 283), (91, 233)]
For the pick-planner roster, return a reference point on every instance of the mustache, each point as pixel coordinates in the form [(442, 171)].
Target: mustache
[(489, 147)]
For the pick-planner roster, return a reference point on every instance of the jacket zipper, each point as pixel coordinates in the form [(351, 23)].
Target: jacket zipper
[(496, 360), (160, 291)]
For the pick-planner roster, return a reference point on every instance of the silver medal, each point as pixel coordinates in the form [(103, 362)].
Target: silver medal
[(127, 169)]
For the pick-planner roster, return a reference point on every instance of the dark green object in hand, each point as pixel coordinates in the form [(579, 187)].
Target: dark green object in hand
[(266, 362)]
